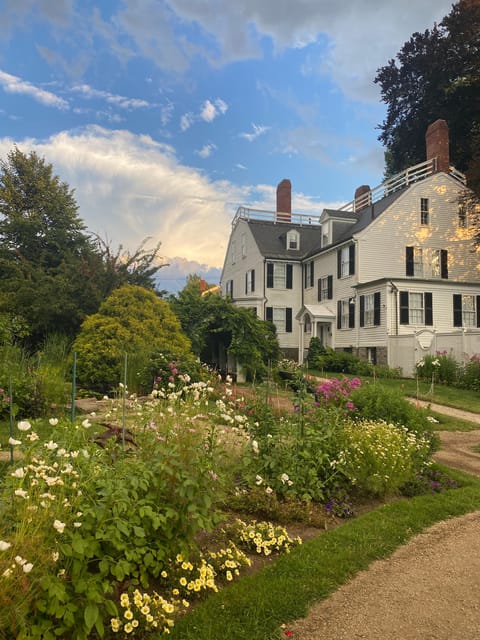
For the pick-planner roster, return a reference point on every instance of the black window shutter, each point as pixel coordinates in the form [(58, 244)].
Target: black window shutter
[(351, 258), (319, 289), (253, 280), (444, 263), (457, 310), (403, 307), (288, 320), (376, 308), (362, 311), (269, 314), (246, 282), (270, 275), (304, 276), (289, 276), (409, 260), (339, 314), (312, 279), (330, 287), (478, 311), (339, 263), (428, 308), (351, 315)]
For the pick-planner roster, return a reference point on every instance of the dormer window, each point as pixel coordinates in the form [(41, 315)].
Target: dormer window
[(293, 240)]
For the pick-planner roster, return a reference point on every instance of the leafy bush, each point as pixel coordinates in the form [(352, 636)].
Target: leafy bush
[(133, 321), (440, 367), (376, 402), (315, 350), (378, 458), (469, 376)]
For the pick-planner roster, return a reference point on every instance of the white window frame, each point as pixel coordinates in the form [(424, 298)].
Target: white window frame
[(345, 314), (418, 262), (436, 263), (369, 310), (462, 216), (424, 212), (324, 287), (293, 241), (250, 281), (279, 316), (469, 310), (243, 240), (416, 311), (345, 262), (233, 250)]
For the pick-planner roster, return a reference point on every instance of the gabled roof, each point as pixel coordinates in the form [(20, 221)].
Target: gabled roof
[(271, 239)]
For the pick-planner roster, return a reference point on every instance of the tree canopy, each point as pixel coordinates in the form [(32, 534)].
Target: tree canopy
[(435, 75), (215, 325)]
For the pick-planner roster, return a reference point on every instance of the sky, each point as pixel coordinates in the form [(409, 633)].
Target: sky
[(166, 116)]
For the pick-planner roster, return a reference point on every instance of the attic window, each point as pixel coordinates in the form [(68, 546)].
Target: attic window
[(293, 240)]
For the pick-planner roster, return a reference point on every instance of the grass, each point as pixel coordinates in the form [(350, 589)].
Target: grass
[(257, 606), (451, 423)]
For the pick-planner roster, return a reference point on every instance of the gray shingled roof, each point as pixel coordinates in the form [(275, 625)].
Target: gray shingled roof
[(271, 239)]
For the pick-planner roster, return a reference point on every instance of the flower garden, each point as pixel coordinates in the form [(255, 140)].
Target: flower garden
[(114, 525)]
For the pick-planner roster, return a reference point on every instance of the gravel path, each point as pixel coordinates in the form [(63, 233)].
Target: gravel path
[(429, 589)]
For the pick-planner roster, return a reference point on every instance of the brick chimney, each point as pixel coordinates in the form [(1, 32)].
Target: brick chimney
[(284, 200), (437, 144), (363, 197)]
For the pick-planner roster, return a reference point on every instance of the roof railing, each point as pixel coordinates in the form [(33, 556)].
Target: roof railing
[(369, 197)]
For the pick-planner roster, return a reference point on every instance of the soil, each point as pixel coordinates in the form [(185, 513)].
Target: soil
[(429, 589)]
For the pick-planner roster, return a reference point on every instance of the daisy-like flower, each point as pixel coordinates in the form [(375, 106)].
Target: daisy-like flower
[(59, 526), (86, 423), (24, 425), (53, 421), (51, 445), (18, 473), (21, 493), (14, 442), (4, 545), (27, 567)]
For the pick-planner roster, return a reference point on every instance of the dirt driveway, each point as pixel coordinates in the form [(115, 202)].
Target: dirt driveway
[(429, 589)]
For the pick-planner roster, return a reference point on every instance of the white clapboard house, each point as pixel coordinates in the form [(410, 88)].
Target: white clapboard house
[(391, 276)]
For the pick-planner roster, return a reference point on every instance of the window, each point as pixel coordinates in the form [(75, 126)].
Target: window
[(462, 216), (370, 310), (346, 313), (466, 310), (233, 250), (308, 272), (325, 288), (372, 355), (281, 318), (426, 263), (424, 211), (346, 261), (416, 308), (250, 281), (244, 245), (293, 240), (229, 288), (279, 275)]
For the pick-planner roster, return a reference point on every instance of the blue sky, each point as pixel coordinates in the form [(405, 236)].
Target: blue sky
[(165, 116)]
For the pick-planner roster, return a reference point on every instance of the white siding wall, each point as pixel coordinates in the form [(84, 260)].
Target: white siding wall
[(382, 244)]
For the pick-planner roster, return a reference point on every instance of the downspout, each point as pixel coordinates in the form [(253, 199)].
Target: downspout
[(395, 295), (301, 335)]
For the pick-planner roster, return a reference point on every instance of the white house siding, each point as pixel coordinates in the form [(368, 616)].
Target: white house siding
[(382, 245)]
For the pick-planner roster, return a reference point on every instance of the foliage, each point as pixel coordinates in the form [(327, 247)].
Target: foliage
[(469, 377), (335, 392), (440, 367), (263, 538), (132, 320), (342, 362), (215, 325), (47, 261), (429, 480), (315, 349), (436, 74), (162, 372), (376, 402), (378, 458)]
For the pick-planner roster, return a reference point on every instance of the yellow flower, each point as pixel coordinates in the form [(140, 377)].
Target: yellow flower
[(229, 576), (128, 614), (183, 581), (145, 609), (128, 628), (164, 574)]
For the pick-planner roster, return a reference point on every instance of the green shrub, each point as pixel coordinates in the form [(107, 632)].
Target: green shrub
[(376, 402), (378, 458), (315, 350), (440, 367), (469, 375)]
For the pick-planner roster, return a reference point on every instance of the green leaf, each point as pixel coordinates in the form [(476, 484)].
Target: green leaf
[(139, 532), (90, 615)]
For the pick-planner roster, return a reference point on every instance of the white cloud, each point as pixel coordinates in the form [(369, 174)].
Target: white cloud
[(129, 187), (258, 130), (13, 84), (186, 121), (120, 101), (208, 112), (206, 151)]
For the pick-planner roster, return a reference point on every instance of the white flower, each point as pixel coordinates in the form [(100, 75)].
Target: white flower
[(51, 446), (53, 421), (14, 442), (432, 419), (258, 480), (33, 436), (24, 425), (105, 397), (4, 545), (55, 556), (77, 524), (19, 560), (59, 526), (284, 478), (21, 493), (86, 423), (255, 446), (27, 567), (18, 473), (268, 490)]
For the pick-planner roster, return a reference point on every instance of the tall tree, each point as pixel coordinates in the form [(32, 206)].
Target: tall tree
[(45, 253), (435, 75)]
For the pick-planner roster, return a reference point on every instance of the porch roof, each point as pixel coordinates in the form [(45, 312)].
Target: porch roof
[(318, 312)]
